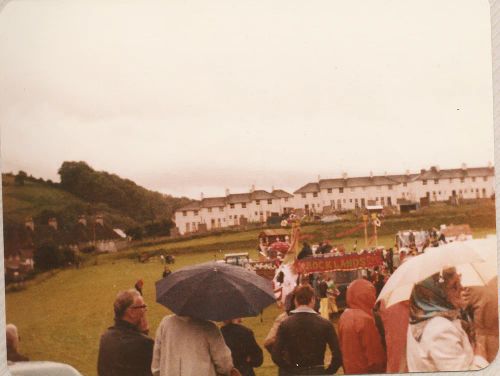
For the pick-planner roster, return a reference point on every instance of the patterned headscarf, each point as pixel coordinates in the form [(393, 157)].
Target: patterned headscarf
[(428, 300)]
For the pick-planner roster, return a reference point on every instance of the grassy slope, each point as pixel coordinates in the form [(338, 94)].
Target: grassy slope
[(32, 198)]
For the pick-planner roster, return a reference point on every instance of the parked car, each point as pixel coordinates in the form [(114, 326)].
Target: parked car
[(239, 259), (41, 368)]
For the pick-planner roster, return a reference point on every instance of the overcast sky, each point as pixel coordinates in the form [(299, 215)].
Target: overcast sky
[(186, 97)]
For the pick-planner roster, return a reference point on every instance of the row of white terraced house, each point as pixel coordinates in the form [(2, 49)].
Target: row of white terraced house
[(339, 194)]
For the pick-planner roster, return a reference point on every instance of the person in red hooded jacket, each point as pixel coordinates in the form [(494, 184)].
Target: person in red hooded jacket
[(360, 341)]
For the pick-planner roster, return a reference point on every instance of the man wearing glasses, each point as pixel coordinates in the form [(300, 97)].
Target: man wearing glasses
[(124, 349)]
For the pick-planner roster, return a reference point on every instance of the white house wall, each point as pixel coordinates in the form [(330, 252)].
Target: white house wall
[(470, 188)]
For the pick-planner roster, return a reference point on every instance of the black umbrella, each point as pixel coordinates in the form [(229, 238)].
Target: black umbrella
[(215, 291)]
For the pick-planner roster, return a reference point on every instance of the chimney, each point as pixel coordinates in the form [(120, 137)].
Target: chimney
[(201, 196), (371, 174), (437, 168), (344, 175), (53, 223), (464, 166), (252, 189), (29, 223), (82, 220), (227, 191), (99, 219)]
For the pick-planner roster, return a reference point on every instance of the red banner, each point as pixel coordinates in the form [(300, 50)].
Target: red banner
[(334, 263)]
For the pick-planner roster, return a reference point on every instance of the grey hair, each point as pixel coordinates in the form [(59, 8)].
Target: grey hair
[(123, 300), (11, 336)]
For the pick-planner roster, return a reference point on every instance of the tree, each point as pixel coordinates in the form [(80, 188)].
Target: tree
[(20, 177), (48, 256)]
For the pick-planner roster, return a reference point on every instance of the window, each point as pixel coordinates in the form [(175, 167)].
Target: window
[(256, 213), (350, 200), (270, 201), (286, 199), (439, 192), (257, 202), (230, 217), (405, 184), (196, 212), (329, 190), (209, 210), (341, 190), (390, 187), (473, 180), (436, 181), (315, 194), (462, 180), (221, 209), (424, 182), (231, 206), (243, 205), (485, 178), (303, 195), (184, 213)]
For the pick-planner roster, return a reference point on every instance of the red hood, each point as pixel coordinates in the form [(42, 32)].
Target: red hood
[(361, 294)]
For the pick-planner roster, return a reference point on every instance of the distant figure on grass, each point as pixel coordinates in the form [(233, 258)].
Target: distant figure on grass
[(186, 346), (124, 348), (302, 337), (245, 351), (138, 285), (360, 341), (13, 339)]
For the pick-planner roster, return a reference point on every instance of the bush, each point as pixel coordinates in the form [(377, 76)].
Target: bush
[(48, 256)]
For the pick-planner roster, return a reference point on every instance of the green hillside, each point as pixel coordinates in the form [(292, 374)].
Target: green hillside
[(38, 199)]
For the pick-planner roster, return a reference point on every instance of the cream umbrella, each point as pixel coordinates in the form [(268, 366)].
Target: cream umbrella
[(480, 273), (400, 285)]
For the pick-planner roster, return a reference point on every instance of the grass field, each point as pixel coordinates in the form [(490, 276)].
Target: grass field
[(61, 316)]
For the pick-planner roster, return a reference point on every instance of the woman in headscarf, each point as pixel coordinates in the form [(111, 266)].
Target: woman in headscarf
[(438, 338)]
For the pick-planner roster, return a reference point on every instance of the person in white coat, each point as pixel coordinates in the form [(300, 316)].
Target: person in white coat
[(186, 346), (438, 339)]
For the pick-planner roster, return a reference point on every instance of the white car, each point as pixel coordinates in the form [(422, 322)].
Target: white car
[(37, 368)]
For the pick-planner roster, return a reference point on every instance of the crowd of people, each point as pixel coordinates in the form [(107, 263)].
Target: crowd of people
[(442, 327)]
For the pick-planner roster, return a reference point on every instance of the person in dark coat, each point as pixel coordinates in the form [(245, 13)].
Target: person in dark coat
[(124, 349), (302, 338), (305, 252), (12, 338), (245, 351)]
